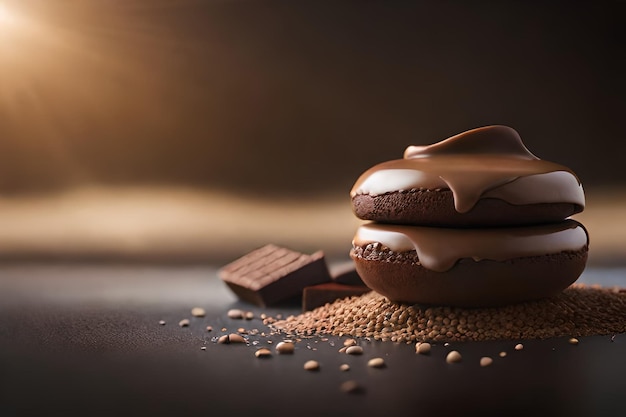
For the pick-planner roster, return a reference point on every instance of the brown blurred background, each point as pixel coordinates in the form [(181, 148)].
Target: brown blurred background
[(197, 130)]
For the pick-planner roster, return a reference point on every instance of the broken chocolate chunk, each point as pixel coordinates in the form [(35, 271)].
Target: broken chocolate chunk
[(272, 274), (345, 273), (318, 295)]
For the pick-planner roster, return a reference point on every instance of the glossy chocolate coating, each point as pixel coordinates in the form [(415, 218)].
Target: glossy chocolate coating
[(485, 163), (439, 249)]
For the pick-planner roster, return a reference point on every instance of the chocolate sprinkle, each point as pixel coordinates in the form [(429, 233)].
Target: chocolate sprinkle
[(579, 310)]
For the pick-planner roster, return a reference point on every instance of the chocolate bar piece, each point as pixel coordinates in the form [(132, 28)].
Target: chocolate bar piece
[(318, 295), (271, 274), (345, 273)]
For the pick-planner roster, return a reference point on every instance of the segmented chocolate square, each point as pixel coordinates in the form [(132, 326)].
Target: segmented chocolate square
[(272, 274)]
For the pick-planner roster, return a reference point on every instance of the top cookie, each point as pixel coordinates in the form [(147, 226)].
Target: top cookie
[(482, 177)]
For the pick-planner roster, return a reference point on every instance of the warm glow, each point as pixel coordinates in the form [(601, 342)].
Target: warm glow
[(7, 17), (4, 14), (65, 72)]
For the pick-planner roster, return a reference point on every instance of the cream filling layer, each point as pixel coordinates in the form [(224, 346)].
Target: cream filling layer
[(438, 249)]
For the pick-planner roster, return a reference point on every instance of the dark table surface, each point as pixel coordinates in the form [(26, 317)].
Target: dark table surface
[(86, 340)]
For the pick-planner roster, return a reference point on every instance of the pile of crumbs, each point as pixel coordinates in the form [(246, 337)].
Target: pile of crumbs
[(580, 310)]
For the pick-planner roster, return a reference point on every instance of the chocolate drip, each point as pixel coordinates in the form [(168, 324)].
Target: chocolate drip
[(471, 164), (438, 249)]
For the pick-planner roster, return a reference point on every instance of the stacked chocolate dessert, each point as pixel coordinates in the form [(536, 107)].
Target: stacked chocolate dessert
[(474, 220)]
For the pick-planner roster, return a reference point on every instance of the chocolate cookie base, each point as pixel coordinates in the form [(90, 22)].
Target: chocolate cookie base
[(485, 283), (436, 208)]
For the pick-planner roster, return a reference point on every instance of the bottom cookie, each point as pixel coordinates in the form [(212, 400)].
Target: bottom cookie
[(470, 268)]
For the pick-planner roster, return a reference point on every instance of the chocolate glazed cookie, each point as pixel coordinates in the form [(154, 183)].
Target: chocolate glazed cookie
[(482, 177), (470, 267)]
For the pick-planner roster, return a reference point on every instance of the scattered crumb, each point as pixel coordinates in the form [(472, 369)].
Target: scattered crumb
[(311, 365), (376, 363), (231, 338), (422, 348), (453, 357), (354, 350), (285, 347), (485, 361), (263, 353), (349, 342), (379, 319), (350, 387), (235, 313)]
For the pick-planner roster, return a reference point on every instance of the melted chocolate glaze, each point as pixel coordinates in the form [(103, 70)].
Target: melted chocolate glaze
[(439, 249), (488, 162)]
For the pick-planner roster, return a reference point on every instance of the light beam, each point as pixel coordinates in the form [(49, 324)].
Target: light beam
[(8, 18)]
